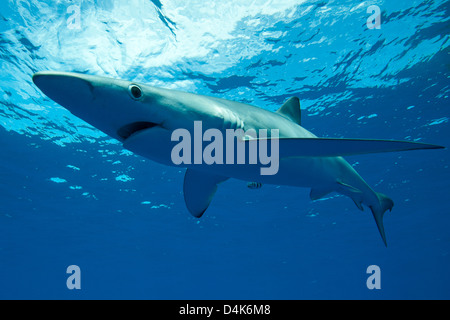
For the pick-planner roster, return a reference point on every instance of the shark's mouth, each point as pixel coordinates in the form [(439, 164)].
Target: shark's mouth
[(130, 129)]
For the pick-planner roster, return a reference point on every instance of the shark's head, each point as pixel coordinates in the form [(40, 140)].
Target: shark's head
[(117, 107)]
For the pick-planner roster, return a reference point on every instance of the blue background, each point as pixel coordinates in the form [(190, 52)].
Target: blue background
[(71, 195)]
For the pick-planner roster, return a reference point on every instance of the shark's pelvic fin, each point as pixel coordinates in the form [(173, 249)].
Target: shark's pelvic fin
[(385, 203), (199, 189), (291, 110), (336, 147)]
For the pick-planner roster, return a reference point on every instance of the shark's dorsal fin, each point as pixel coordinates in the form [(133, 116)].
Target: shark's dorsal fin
[(291, 110), (199, 189)]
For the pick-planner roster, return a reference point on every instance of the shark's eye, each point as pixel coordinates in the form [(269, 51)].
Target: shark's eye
[(135, 91)]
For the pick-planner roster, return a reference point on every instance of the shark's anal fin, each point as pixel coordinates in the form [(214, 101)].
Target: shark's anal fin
[(199, 189), (354, 193), (291, 110), (358, 204)]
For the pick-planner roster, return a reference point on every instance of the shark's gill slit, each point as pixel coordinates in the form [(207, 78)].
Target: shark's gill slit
[(128, 130)]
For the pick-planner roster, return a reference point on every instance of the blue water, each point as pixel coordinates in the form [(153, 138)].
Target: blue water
[(69, 195)]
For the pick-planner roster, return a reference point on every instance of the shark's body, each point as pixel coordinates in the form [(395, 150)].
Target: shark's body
[(144, 118)]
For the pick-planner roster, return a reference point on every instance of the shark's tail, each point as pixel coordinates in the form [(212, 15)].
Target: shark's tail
[(378, 210)]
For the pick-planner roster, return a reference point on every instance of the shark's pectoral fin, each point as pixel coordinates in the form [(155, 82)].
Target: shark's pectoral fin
[(319, 193), (333, 147), (199, 189)]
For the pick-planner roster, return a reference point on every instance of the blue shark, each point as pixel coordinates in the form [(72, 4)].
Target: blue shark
[(144, 118)]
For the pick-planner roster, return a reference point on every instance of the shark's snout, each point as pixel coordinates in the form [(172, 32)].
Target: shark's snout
[(67, 89), (113, 106)]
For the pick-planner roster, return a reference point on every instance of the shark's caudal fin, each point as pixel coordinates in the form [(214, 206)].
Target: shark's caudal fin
[(384, 204), (378, 207)]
